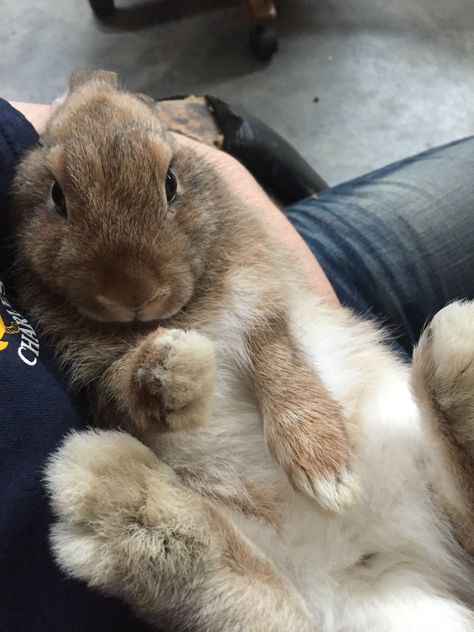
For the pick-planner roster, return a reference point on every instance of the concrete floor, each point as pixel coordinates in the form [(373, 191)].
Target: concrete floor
[(391, 77)]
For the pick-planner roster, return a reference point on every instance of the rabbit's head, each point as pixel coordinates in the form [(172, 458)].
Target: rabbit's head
[(111, 215)]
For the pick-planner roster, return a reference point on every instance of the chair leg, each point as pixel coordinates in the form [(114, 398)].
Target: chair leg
[(261, 11), (263, 37)]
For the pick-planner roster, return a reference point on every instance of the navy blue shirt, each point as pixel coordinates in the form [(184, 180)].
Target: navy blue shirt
[(36, 412)]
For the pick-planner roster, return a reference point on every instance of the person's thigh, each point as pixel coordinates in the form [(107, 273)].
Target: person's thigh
[(398, 243)]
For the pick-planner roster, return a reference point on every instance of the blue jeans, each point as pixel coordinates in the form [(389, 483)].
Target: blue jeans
[(398, 243)]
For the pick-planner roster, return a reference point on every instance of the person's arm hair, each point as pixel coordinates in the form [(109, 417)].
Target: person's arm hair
[(244, 185)]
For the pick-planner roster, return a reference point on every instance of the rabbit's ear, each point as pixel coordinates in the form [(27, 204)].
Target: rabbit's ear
[(81, 77)]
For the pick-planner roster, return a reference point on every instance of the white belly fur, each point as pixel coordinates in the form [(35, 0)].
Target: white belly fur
[(392, 547)]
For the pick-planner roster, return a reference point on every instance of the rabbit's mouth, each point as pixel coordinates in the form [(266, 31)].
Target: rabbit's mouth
[(123, 314), (157, 302)]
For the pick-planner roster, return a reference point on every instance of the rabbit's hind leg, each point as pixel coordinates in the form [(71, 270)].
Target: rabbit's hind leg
[(443, 381), (129, 528)]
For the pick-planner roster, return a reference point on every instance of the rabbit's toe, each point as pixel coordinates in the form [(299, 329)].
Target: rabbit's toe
[(81, 553), (338, 491), (333, 492)]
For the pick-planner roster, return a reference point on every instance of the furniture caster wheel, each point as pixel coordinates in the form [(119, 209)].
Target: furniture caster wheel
[(263, 42), (102, 7)]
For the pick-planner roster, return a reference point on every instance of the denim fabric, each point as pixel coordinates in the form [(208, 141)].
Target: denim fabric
[(398, 243)]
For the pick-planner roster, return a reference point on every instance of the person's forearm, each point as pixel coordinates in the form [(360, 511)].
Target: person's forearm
[(37, 113)]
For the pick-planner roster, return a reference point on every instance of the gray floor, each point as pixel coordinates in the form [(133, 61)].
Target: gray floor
[(391, 77)]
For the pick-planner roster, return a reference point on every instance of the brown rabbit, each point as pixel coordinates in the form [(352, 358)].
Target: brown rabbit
[(140, 266), (156, 285)]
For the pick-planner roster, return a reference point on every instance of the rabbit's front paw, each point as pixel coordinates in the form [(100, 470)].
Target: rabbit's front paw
[(172, 380), (315, 458)]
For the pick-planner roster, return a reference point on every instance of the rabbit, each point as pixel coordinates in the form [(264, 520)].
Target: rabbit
[(182, 510), (141, 267), (199, 530)]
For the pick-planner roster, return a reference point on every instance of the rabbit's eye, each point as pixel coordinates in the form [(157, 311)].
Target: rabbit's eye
[(59, 200), (170, 185)]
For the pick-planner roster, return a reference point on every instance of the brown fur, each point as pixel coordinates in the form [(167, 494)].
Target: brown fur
[(128, 525), (165, 382), (124, 251), (167, 551), (250, 500), (299, 429)]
